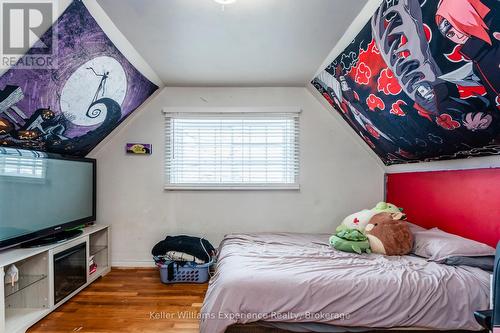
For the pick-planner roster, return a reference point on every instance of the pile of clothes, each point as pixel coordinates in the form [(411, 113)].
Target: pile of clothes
[(184, 249), (176, 251)]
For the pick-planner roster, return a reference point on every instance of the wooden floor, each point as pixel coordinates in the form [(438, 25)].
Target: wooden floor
[(128, 300)]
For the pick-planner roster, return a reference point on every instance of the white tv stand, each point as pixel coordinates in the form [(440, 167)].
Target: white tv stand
[(32, 297)]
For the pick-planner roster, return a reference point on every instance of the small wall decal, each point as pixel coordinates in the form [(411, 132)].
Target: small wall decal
[(139, 148)]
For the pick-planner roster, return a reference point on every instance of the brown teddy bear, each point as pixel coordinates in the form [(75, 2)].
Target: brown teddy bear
[(389, 235)]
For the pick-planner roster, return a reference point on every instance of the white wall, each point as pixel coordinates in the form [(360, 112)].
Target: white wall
[(337, 178)]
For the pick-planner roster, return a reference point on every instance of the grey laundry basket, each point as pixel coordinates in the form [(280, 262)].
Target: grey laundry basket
[(190, 272)]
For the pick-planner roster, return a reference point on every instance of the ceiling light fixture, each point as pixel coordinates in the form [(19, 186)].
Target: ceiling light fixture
[(224, 3)]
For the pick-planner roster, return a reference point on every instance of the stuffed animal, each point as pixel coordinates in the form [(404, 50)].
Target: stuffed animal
[(357, 220), (389, 235), (360, 219), (350, 240), (386, 207)]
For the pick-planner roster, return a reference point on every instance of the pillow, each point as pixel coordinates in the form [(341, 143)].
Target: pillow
[(437, 245), (415, 228), (485, 263)]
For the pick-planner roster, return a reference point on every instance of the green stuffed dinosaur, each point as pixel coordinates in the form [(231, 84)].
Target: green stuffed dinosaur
[(386, 207), (350, 240)]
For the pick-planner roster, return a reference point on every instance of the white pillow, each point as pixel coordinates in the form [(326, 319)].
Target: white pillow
[(437, 245), (415, 228)]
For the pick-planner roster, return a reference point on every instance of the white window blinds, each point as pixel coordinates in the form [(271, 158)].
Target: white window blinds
[(232, 150)]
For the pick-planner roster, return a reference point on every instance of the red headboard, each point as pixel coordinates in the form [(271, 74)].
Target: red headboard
[(462, 202)]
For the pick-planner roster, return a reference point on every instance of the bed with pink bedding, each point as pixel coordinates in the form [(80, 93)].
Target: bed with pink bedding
[(297, 278)]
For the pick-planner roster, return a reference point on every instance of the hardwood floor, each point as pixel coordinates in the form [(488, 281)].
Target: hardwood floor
[(128, 300)]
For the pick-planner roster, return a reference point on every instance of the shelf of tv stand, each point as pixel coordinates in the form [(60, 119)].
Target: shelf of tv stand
[(24, 282), (97, 249)]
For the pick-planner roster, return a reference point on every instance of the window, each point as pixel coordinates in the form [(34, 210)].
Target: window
[(21, 163), (228, 150)]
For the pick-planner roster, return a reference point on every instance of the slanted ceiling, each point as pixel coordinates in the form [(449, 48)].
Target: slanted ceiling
[(72, 107), (414, 93), (248, 43), (410, 92)]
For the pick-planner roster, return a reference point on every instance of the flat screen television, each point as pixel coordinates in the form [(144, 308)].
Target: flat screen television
[(43, 194)]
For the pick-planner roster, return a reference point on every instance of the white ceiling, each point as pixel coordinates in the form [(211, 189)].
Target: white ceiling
[(249, 43)]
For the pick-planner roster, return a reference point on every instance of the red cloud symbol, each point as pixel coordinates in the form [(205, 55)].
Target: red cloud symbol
[(447, 122), (371, 57), (396, 108), (455, 55), (387, 83), (471, 91), (363, 74), (374, 102)]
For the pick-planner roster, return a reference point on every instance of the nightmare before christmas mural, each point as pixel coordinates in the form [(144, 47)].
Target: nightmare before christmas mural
[(421, 81), (71, 108)]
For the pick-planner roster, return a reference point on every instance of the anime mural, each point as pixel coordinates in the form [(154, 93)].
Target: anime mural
[(421, 81), (71, 108)]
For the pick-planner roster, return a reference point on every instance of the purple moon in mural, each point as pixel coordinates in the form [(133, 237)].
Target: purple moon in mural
[(71, 108)]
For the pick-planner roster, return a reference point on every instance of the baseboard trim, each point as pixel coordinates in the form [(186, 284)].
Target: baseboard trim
[(133, 264)]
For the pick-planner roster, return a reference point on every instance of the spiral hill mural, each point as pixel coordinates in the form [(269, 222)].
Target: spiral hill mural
[(71, 108), (420, 82)]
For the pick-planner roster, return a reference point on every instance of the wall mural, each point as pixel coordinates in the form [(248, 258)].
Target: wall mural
[(70, 109), (421, 81)]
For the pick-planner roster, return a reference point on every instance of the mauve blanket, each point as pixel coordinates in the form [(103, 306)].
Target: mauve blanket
[(285, 277)]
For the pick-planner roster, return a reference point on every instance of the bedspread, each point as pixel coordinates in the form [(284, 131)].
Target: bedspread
[(285, 277)]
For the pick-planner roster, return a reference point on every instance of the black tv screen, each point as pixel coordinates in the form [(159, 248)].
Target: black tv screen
[(42, 194)]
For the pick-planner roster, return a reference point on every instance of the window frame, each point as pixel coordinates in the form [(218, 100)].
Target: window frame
[(204, 111)]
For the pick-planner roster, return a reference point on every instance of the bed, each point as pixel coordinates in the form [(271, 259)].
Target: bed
[(297, 282)]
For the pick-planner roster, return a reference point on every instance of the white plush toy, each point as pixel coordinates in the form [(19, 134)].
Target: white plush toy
[(360, 220), (357, 220)]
